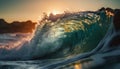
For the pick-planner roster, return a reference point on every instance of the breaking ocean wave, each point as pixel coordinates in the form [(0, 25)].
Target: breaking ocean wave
[(55, 43)]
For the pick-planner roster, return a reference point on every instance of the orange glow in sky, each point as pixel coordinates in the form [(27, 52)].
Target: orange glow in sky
[(22, 10)]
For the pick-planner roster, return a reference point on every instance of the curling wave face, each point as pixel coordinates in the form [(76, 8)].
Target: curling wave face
[(66, 37)]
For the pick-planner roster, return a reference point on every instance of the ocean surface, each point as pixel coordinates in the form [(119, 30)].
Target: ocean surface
[(61, 44)]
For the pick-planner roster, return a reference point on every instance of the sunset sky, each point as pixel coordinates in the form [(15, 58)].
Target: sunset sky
[(22, 10)]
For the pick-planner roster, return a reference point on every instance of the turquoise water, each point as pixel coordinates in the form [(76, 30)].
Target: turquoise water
[(55, 41), (75, 34)]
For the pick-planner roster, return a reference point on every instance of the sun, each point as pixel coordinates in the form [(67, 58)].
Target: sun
[(56, 12)]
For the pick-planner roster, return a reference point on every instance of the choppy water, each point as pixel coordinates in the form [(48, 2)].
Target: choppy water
[(55, 43)]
